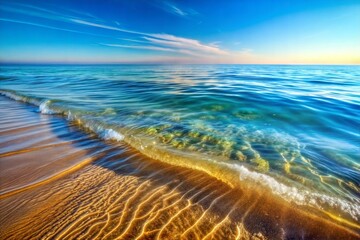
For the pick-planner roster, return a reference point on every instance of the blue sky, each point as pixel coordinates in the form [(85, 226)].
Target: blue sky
[(164, 31)]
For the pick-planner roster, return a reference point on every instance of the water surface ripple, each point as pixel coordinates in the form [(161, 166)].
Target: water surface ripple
[(291, 129)]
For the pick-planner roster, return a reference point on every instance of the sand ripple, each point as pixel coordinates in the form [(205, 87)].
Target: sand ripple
[(59, 183)]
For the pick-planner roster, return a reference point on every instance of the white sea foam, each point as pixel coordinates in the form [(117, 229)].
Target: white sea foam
[(44, 108), (12, 95), (104, 133), (70, 116), (18, 97), (110, 134), (300, 197)]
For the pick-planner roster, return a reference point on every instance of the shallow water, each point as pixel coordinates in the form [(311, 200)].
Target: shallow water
[(293, 130), (58, 182)]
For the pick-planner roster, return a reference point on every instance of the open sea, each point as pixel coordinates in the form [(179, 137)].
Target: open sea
[(293, 131)]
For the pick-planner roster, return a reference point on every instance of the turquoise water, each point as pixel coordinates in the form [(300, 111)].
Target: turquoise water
[(294, 130)]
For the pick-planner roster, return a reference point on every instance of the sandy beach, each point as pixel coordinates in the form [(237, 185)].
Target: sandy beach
[(58, 182)]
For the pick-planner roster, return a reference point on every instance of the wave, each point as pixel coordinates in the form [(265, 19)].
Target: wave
[(97, 128), (44, 107), (18, 97), (231, 173), (300, 197)]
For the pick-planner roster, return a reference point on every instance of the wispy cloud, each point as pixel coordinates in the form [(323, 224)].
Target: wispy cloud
[(42, 12), (32, 12), (92, 24), (43, 26), (174, 9), (148, 41), (133, 40), (186, 43), (138, 47)]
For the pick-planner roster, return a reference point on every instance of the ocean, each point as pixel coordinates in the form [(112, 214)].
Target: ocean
[(290, 130)]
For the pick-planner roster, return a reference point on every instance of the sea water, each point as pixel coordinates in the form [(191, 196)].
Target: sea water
[(293, 130)]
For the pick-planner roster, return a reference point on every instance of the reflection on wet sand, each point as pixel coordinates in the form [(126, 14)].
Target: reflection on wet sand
[(59, 183)]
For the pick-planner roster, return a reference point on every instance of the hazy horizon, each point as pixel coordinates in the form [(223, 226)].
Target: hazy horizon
[(164, 63)]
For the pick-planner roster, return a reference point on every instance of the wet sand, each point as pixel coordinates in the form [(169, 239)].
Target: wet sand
[(58, 182)]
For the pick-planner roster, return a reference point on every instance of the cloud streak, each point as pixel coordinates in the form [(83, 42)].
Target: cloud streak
[(176, 10), (179, 42), (182, 45), (149, 41), (87, 23), (44, 26), (139, 47)]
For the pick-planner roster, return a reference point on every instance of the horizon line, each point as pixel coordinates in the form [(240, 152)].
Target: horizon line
[(171, 63)]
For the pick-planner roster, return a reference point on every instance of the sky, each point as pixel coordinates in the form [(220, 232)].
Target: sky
[(180, 32)]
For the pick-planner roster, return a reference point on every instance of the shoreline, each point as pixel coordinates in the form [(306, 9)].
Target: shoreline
[(121, 192), (242, 176)]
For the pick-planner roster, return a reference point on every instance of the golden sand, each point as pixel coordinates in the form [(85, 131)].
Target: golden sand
[(59, 183)]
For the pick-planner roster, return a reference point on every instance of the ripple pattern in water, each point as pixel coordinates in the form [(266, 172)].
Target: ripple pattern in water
[(293, 129), (70, 185)]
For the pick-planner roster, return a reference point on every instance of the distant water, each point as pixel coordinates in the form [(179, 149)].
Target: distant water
[(294, 130)]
